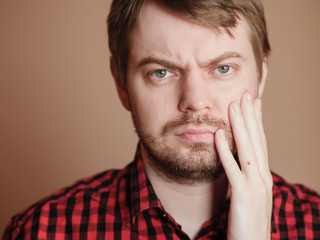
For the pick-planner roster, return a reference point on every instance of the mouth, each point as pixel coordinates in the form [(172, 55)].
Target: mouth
[(196, 135)]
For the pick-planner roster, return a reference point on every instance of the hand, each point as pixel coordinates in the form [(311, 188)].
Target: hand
[(251, 183)]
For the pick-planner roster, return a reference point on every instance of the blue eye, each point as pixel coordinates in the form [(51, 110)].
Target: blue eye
[(161, 73), (224, 69)]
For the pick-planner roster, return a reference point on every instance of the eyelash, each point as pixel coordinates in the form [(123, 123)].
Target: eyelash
[(162, 70), (231, 71), (152, 75), (228, 74)]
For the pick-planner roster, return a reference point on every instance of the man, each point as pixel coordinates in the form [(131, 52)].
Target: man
[(191, 73)]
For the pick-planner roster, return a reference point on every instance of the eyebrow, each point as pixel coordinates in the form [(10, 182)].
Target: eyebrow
[(223, 57), (159, 61), (171, 65)]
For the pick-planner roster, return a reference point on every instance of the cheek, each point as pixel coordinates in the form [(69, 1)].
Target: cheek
[(150, 112), (230, 94), (251, 82)]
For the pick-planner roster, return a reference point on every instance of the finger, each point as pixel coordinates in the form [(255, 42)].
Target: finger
[(252, 124), (253, 117), (245, 149), (227, 160), (258, 112)]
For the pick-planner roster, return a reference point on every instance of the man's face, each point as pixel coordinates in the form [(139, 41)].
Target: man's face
[(181, 78)]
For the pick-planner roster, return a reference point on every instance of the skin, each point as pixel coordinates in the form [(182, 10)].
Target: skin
[(190, 85)]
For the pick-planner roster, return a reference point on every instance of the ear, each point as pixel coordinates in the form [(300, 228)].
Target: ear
[(121, 88), (264, 74)]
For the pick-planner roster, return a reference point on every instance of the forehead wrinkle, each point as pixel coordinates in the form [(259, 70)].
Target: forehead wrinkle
[(184, 60)]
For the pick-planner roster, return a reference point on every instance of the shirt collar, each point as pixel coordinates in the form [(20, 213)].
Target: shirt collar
[(143, 196)]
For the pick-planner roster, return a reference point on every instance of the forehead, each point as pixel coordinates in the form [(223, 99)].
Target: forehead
[(158, 31)]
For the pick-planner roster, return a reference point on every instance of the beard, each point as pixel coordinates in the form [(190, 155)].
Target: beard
[(199, 163)]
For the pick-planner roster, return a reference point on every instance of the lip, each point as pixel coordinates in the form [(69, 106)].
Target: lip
[(196, 134)]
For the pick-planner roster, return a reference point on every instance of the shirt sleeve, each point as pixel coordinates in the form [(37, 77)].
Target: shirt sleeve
[(7, 235)]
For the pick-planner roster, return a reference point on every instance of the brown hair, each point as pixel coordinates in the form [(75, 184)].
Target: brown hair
[(211, 13)]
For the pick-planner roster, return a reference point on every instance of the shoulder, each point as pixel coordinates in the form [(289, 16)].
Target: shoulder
[(293, 192), (67, 202), (296, 210)]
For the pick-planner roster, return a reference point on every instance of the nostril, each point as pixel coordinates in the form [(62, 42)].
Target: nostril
[(194, 96)]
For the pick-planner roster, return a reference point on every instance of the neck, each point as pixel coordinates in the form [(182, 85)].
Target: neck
[(189, 204)]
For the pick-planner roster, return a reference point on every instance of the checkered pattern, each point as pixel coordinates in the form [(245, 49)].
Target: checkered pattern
[(121, 204)]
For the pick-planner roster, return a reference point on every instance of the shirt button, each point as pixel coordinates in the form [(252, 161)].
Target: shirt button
[(164, 215)]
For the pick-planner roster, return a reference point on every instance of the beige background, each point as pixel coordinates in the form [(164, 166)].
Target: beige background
[(60, 118)]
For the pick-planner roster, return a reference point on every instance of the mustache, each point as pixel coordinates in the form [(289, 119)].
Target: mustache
[(203, 119)]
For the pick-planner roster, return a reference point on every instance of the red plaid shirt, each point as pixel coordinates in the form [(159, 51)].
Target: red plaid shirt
[(121, 204)]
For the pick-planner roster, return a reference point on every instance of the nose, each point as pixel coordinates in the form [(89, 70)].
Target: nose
[(195, 93)]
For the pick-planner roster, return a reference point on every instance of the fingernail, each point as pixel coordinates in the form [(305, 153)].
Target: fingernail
[(249, 98), (236, 109)]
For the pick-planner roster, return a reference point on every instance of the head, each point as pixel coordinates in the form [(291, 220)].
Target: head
[(177, 66), (215, 14)]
